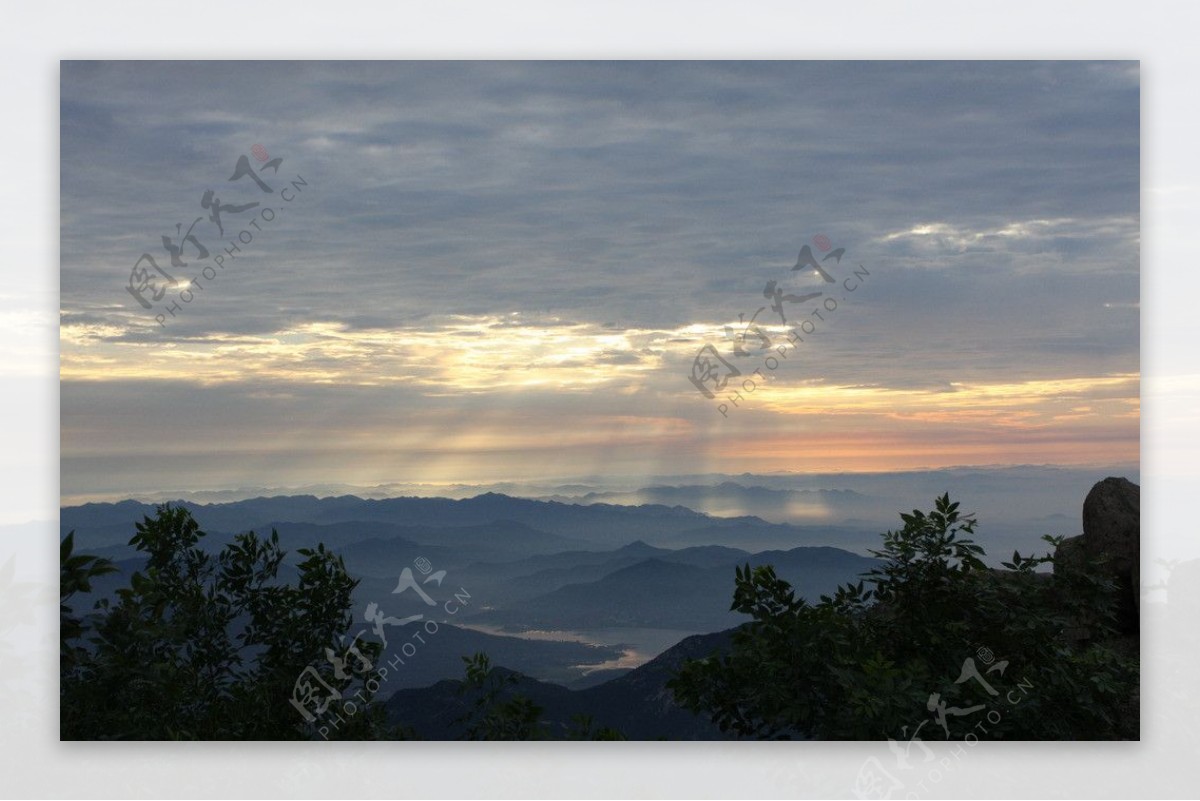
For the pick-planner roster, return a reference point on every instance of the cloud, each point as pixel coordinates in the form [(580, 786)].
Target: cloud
[(562, 236)]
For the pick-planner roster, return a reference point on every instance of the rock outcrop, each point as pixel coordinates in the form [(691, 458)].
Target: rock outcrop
[(1111, 535)]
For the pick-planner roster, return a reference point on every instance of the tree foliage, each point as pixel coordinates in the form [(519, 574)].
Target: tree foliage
[(496, 712), (201, 645), (493, 713), (867, 662)]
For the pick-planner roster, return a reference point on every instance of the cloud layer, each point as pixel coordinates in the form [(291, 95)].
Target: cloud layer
[(506, 269)]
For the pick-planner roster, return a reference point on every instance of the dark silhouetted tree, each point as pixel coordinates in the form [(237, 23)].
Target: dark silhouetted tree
[(201, 645), (866, 662)]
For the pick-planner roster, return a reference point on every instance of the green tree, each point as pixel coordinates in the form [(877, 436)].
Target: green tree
[(865, 662), (498, 713), (495, 713), (201, 645), (76, 572)]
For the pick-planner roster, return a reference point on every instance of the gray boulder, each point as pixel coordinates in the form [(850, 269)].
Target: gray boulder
[(1111, 532)]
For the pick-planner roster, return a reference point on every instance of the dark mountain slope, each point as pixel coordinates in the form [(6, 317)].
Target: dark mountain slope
[(638, 703)]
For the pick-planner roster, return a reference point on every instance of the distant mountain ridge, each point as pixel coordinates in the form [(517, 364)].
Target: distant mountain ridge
[(521, 574), (596, 525), (672, 589)]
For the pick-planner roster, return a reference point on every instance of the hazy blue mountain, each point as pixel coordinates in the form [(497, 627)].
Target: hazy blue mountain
[(731, 499), (1016, 505), (114, 521), (506, 583), (509, 569), (874, 497), (374, 547), (518, 575), (752, 534), (631, 596), (614, 525), (705, 555), (476, 520), (658, 593), (450, 547)]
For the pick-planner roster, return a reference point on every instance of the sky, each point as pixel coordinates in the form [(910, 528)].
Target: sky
[(495, 271)]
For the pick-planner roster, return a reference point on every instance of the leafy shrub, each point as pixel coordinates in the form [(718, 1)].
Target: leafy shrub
[(201, 646), (867, 662)]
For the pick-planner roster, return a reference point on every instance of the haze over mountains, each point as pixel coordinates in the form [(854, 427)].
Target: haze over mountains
[(1006, 500), (578, 590)]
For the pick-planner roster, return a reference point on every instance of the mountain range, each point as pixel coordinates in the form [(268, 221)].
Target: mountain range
[(560, 592), (588, 605), (594, 525)]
